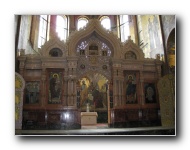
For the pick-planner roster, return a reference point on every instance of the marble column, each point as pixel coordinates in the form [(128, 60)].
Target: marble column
[(72, 87), (69, 92), (65, 94), (108, 103), (141, 93), (115, 92), (22, 60), (43, 80), (121, 80), (119, 92), (74, 93)]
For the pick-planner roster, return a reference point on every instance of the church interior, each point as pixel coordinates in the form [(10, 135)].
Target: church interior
[(95, 74)]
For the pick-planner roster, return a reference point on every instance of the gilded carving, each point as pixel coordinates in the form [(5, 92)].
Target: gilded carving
[(17, 98), (18, 82), (93, 60), (167, 101), (55, 87), (19, 87), (130, 88)]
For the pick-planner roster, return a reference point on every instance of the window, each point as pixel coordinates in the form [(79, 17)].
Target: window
[(82, 22), (124, 27), (43, 30), (61, 27), (105, 21)]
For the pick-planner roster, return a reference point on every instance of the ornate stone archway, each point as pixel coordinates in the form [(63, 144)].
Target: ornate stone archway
[(94, 27)]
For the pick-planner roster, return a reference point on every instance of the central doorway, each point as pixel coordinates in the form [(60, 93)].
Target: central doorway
[(93, 89)]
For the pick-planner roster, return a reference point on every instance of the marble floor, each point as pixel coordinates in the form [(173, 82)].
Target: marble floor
[(98, 126), (101, 130)]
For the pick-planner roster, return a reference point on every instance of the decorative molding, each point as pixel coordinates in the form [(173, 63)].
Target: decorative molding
[(54, 43), (130, 46), (94, 26)]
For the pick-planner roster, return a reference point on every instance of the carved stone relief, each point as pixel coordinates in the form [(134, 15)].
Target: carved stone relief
[(167, 100)]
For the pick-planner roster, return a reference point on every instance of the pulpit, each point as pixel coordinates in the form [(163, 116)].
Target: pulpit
[(89, 118)]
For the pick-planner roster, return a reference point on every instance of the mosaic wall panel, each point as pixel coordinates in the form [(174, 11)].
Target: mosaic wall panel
[(19, 88), (150, 93), (130, 87), (55, 81), (167, 100), (32, 94), (150, 35)]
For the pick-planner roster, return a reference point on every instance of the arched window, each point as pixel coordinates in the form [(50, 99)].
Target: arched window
[(105, 21), (82, 22), (61, 27), (43, 30), (124, 27)]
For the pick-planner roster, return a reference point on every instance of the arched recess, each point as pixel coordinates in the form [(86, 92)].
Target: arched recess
[(90, 72), (93, 87), (171, 50), (95, 28), (94, 45), (54, 43), (130, 47)]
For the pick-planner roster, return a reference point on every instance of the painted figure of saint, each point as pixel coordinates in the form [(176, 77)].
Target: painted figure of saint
[(131, 89), (55, 86), (149, 93), (32, 93), (104, 94), (84, 92)]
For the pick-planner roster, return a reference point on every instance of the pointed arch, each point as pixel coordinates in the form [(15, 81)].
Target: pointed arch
[(54, 44), (130, 47), (94, 27)]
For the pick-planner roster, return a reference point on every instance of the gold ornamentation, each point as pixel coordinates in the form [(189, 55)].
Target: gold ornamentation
[(166, 97), (17, 98), (93, 60), (18, 83)]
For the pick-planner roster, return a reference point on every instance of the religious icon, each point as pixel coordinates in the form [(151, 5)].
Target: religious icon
[(32, 92), (150, 94), (84, 92), (131, 89), (55, 87)]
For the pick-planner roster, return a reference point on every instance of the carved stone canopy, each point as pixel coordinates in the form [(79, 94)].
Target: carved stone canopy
[(53, 46), (94, 28), (131, 51)]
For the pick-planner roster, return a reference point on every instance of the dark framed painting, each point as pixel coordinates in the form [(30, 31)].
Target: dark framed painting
[(150, 93), (130, 86), (32, 92), (55, 85)]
